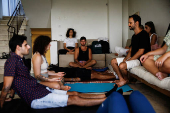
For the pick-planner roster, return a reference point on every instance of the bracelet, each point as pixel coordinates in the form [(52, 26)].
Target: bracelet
[(11, 96)]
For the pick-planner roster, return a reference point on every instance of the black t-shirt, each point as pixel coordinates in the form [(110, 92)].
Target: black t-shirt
[(140, 41)]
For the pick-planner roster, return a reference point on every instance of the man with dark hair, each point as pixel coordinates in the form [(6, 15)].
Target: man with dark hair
[(38, 96), (140, 44), (83, 56)]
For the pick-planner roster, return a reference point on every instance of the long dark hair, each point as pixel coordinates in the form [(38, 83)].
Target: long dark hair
[(40, 44), (152, 26), (68, 31)]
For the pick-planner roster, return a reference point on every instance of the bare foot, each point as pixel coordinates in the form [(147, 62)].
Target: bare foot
[(161, 75), (116, 81), (66, 88), (90, 68), (70, 53), (122, 82), (76, 79)]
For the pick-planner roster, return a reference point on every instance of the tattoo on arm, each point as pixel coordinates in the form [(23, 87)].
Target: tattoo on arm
[(41, 78), (6, 89), (4, 94)]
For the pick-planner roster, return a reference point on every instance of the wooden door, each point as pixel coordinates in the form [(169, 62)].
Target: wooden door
[(41, 31)]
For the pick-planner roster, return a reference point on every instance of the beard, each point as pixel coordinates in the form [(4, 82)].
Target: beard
[(131, 27)]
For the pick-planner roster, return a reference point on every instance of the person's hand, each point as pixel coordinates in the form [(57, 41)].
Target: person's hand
[(55, 79), (124, 60), (143, 58), (155, 46), (159, 62), (80, 63), (69, 50), (83, 63), (61, 74)]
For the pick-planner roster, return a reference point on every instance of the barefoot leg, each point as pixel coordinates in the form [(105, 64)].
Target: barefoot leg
[(122, 82), (66, 88), (161, 75)]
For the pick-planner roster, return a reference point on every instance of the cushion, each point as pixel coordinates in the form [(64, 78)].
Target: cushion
[(141, 72)]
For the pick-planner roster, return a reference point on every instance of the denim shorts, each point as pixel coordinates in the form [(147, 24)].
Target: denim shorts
[(57, 98)]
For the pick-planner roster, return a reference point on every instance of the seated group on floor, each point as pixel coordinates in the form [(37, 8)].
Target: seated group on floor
[(45, 89)]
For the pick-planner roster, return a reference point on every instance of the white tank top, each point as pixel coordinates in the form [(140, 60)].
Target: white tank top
[(156, 39), (44, 65)]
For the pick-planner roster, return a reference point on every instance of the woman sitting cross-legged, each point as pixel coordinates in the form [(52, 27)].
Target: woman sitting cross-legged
[(157, 62), (70, 43), (39, 65)]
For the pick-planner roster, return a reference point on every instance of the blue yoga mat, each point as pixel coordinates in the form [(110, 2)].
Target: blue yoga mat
[(95, 87)]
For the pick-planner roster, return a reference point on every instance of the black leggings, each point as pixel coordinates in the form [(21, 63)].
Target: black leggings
[(84, 74), (64, 51)]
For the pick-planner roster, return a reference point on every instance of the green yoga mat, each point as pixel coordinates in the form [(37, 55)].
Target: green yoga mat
[(95, 87)]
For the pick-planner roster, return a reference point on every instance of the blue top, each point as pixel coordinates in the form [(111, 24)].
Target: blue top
[(24, 85)]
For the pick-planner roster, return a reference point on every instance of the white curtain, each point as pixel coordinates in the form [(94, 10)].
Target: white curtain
[(8, 6)]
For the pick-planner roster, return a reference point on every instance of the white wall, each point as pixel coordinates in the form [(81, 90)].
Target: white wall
[(115, 23), (125, 18), (38, 13), (87, 17), (157, 11)]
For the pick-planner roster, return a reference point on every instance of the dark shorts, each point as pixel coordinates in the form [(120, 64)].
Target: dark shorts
[(82, 73), (64, 51)]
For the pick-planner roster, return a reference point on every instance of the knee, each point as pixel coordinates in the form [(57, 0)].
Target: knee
[(94, 61), (71, 64), (75, 93), (167, 62), (122, 66), (74, 98), (114, 61), (57, 86)]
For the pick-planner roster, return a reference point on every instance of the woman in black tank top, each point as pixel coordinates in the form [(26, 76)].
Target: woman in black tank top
[(83, 55)]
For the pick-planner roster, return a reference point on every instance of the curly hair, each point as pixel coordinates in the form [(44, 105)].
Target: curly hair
[(152, 26), (40, 44), (68, 31)]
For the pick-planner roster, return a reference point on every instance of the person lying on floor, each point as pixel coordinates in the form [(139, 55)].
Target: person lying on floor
[(140, 44), (38, 96), (39, 64), (157, 62), (83, 56), (81, 74)]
